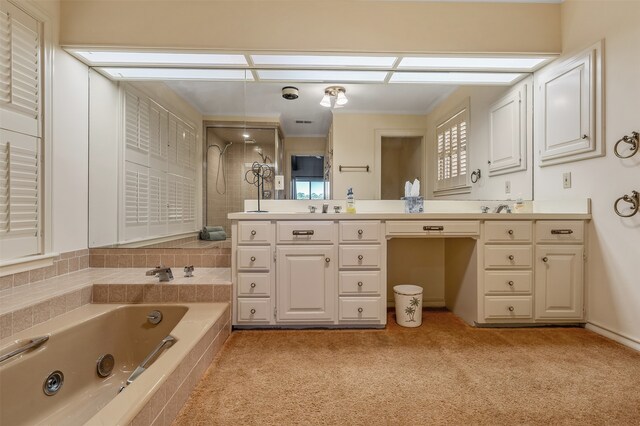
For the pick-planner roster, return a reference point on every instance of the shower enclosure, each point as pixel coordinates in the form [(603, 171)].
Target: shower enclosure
[(230, 153)]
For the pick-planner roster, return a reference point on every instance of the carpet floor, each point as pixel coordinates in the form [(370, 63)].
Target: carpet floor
[(444, 372)]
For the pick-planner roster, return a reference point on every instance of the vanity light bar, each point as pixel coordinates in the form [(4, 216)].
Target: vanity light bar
[(176, 74), (457, 78), (115, 57)]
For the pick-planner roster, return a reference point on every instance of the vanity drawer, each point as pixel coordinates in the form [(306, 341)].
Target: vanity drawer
[(496, 307), (434, 227), (359, 282), (306, 232), (559, 231), (507, 231), (254, 232), (508, 257), (357, 231), (359, 308), (254, 258), (254, 310), (254, 284), (359, 256), (512, 282)]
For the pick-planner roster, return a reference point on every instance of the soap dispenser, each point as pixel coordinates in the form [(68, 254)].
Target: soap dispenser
[(351, 202)]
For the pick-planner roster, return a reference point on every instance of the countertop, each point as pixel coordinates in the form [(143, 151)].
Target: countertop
[(407, 216)]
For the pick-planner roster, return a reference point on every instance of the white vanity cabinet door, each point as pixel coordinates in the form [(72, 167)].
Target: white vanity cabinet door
[(306, 283), (508, 126), (559, 282)]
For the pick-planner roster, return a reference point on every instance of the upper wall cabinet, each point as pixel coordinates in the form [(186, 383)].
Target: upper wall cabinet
[(508, 118), (569, 115)]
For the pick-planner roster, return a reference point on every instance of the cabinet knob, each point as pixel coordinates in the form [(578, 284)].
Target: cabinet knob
[(510, 308), (510, 232), (360, 310), (253, 311), (585, 137), (359, 283), (510, 283), (326, 259), (360, 232), (511, 257), (253, 285), (253, 258), (360, 257), (545, 259), (253, 232)]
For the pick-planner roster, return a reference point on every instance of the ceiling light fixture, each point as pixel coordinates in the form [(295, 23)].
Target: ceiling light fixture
[(334, 96)]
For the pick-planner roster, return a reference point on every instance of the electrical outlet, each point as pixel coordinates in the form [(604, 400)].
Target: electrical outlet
[(566, 180), (279, 183), (507, 187)]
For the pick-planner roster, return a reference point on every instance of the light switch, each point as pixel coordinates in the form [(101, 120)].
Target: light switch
[(507, 187), (279, 182), (566, 180)]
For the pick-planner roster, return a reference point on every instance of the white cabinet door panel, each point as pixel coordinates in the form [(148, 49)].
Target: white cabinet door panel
[(508, 126), (559, 282)]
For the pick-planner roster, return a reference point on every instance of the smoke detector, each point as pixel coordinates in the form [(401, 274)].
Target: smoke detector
[(290, 93)]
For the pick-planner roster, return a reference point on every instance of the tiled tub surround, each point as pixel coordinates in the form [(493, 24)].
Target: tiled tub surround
[(155, 397), (28, 305), (219, 257), (63, 264)]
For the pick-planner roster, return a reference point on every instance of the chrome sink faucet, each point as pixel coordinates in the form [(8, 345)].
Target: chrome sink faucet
[(503, 206), (164, 274)]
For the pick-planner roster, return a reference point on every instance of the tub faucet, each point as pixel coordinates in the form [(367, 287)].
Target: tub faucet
[(503, 206), (164, 274)]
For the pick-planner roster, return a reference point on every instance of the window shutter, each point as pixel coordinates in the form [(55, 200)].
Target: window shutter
[(19, 195), (189, 213), (19, 62), (157, 131), (157, 198), (136, 118), (136, 200), (452, 152)]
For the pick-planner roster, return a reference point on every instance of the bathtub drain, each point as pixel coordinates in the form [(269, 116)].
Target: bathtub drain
[(53, 383), (105, 365)]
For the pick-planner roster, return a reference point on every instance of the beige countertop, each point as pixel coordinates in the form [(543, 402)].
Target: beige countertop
[(406, 216)]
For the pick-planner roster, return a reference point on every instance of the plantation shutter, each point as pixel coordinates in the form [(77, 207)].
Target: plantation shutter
[(136, 200), (19, 62), (136, 128), (158, 213), (20, 200), (452, 152)]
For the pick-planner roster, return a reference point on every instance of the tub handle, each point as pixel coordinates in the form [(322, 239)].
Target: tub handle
[(33, 343), (166, 342)]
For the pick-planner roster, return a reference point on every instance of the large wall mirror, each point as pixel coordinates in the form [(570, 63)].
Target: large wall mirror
[(462, 140)]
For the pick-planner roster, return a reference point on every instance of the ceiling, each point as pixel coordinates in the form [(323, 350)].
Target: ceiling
[(263, 99)]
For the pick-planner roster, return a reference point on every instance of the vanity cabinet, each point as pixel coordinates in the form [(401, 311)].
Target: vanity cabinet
[(507, 275), (559, 269)]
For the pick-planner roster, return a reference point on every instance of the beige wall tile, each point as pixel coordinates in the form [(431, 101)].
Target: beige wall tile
[(152, 293), (187, 293), (21, 279), (124, 261), (36, 275), (97, 260), (204, 293), (208, 260), (5, 325), (62, 267), (85, 296), (100, 293), (117, 293), (139, 260), (134, 293), (83, 262), (153, 260), (6, 282), (167, 260), (182, 260), (111, 261), (58, 306), (22, 319), (223, 261), (74, 264), (222, 293), (73, 300), (170, 293), (50, 272)]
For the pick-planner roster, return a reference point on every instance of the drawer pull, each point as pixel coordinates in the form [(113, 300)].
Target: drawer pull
[(253, 285), (253, 311), (510, 232), (433, 228), (360, 257), (326, 259), (360, 283), (253, 232), (360, 232), (253, 258), (303, 232), (511, 308), (511, 257), (510, 283), (562, 231), (545, 259), (360, 310)]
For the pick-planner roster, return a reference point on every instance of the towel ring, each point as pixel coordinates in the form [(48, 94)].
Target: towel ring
[(634, 200), (475, 174), (631, 140)]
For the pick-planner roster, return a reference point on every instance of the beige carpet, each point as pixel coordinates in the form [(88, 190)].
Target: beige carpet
[(444, 372)]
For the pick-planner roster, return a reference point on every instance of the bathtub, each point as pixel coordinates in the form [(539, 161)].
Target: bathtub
[(78, 339)]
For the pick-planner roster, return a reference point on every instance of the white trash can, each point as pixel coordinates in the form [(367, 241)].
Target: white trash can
[(408, 300)]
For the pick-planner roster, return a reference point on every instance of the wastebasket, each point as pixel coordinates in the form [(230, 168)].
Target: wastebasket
[(408, 300)]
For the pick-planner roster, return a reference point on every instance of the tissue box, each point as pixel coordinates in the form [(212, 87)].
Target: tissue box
[(413, 204)]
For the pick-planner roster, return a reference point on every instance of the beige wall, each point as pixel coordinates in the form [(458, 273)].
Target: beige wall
[(369, 26), (299, 146), (354, 140), (613, 297), (402, 161)]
